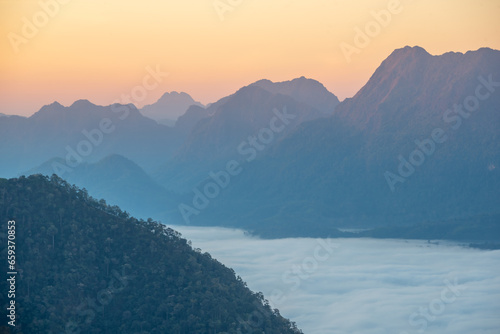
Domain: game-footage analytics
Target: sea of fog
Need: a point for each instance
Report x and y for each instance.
(364, 285)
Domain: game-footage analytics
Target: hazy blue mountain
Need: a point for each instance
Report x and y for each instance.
(304, 90)
(482, 231)
(169, 107)
(75, 132)
(413, 86)
(252, 112)
(185, 124)
(6, 115)
(418, 143)
(86, 267)
(120, 181)
(83, 132)
(245, 113)
(339, 171)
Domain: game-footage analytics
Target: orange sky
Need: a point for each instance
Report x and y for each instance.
(99, 50)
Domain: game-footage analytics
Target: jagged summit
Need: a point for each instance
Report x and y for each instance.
(411, 50)
(169, 107)
(54, 108)
(305, 90)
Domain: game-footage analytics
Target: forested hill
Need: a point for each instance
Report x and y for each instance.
(86, 267)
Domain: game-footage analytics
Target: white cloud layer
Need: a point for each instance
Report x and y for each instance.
(365, 286)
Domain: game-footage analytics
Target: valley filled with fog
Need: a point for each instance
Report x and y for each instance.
(364, 285)
(250, 167)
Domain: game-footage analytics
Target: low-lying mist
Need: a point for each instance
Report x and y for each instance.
(365, 285)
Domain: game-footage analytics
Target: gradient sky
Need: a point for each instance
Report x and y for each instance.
(98, 50)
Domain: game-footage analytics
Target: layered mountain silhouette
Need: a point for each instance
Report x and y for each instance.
(186, 123)
(120, 181)
(223, 135)
(169, 107)
(304, 90)
(418, 143)
(83, 132)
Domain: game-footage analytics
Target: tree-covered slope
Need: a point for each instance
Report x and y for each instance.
(86, 267)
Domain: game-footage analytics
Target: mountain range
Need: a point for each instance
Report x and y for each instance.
(221, 137)
(82, 132)
(169, 107)
(118, 180)
(310, 92)
(418, 143)
(401, 151)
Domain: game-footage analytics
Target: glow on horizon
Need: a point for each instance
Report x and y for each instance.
(98, 50)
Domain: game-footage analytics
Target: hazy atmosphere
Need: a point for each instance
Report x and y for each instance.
(373, 286)
(249, 167)
(99, 50)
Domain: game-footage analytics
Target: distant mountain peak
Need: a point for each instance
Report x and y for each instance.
(484, 49)
(305, 90)
(407, 52)
(80, 104)
(129, 105)
(262, 82)
(417, 51)
(193, 114)
(55, 104)
(252, 89)
(49, 109)
(169, 107)
(303, 78)
(411, 76)
(114, 157)
(173, 94)
(412, 49)
(117, 161)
